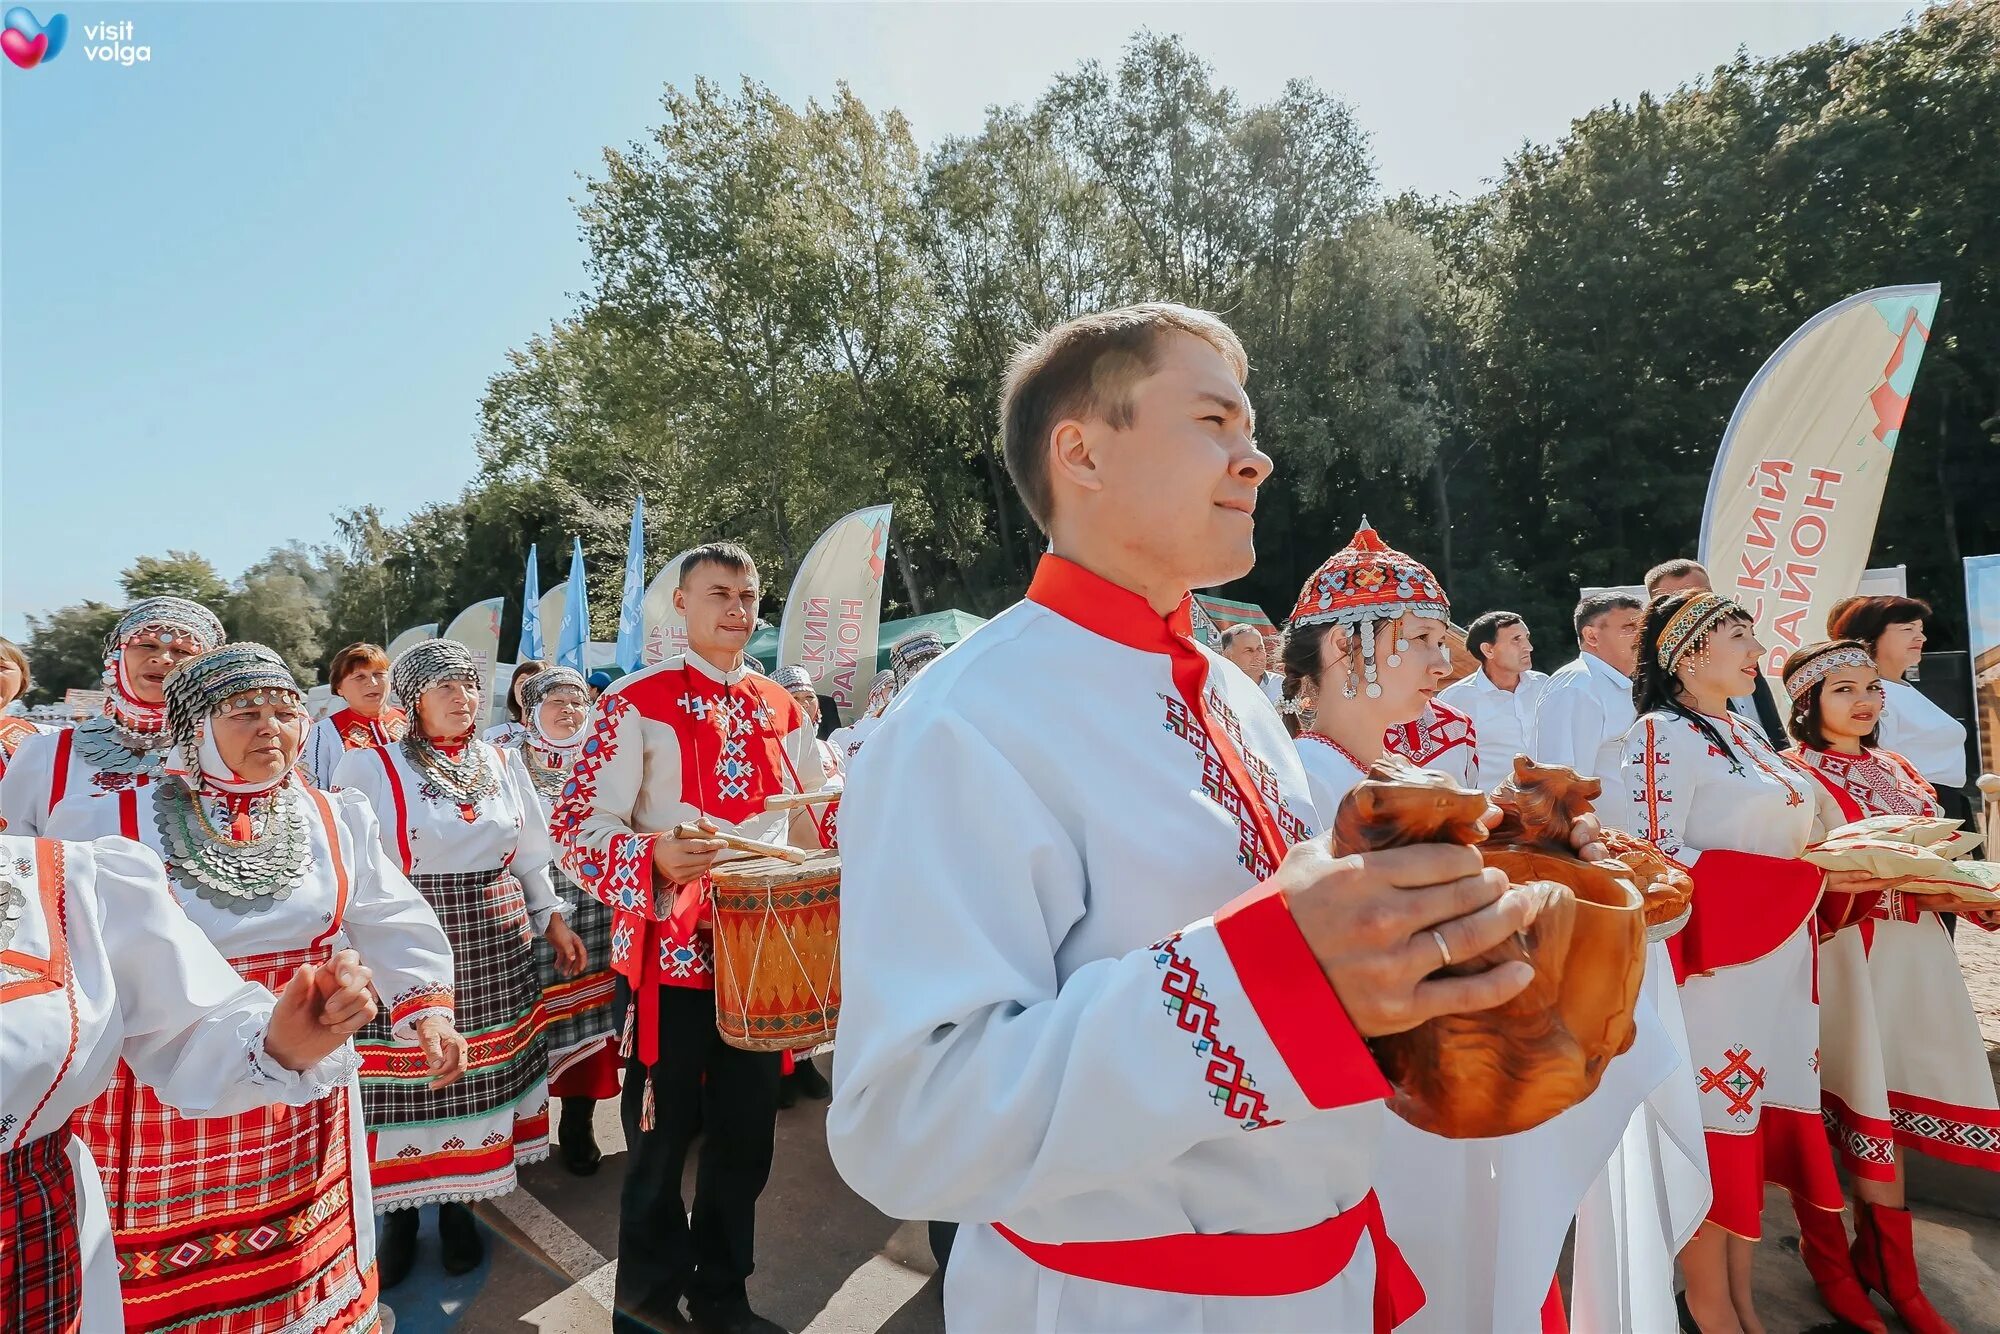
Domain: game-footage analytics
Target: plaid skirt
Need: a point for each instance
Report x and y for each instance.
(41, 1264)
(580, 1010)
(239, 1224)
(497, 1001)
(463, 1141)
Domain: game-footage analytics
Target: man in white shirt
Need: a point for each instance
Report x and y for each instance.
(1586, 707)
(1244, 644)
(1500, 697)
(1105, 996)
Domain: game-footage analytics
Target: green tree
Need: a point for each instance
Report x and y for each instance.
(181, 574)
(279, 602)
(66, 649)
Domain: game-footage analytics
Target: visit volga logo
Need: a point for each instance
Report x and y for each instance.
(28, 42)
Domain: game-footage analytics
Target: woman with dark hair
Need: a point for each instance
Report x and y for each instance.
(1481, 1221)
(1707, 788)
(359, 675)
(516, 730)
(1902, 1062)
(1913, 727)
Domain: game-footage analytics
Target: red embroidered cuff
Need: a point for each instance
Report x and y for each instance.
(417, 999)
(1295, 1002)
(1745, 906)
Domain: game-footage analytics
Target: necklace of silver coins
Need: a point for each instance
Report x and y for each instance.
(237, 877)
(467, 780)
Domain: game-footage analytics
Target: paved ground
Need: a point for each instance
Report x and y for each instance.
(830, 1264)
(827, 1262)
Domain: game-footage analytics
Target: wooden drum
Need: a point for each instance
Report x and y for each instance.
(777, 951)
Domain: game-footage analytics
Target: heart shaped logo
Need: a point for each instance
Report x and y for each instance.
(27, 41)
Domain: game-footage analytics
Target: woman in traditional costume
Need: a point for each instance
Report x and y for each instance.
(360, 676)
(15, 679)
(1902, 1063)
(580, 1007)
(516, 729)
(847, 740)
(127, 744)
(264, 1216)
(463, 821)
(101, 976)
(1710, 792)
(1441, 739)
(1931, 740)
(1481, 1221)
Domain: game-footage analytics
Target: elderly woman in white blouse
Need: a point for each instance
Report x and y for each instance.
(463, 821)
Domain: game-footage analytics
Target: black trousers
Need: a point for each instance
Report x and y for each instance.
(702, 1087)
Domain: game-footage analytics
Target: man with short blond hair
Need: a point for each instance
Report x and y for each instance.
(1106, 998)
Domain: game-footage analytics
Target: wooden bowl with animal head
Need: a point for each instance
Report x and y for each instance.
(1510, 1068)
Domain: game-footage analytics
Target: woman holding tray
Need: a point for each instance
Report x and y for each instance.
(1709, 791)
(1902, 1064)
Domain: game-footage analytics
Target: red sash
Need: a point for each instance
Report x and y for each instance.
(1241, 1264)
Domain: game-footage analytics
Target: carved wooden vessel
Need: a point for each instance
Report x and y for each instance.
(1510, 1068)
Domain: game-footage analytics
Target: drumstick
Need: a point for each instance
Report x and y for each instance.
(762, 849)
(786, 801)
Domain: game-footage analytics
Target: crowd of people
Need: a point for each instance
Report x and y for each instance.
(273, 984)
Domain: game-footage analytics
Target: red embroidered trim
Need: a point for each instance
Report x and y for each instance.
(431, 997)
(1338, 749)
(1235, 1091)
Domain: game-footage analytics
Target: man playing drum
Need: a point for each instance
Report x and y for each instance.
(696, 738)
(1106, 1000)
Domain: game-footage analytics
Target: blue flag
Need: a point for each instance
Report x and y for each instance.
(531, 612)
(576, 614)
(631, 632)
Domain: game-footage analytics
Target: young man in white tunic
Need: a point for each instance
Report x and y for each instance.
(1105, 998)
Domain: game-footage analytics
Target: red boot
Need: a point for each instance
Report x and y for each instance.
(1885, 1259)
(1823, 1246)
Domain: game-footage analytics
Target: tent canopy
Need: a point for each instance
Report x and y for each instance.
(1226, 612)
(950, 625)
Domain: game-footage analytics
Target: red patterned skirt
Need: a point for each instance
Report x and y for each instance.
(232, 1225)
(41, 1266)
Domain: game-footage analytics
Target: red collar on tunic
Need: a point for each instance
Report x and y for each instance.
(1108, 609)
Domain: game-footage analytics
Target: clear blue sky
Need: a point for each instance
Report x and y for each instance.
(265, 276)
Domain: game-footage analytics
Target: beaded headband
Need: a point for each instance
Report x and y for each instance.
(173, 619)
(1818, 667)
(431, 663)
(1692, 624)
(793, 679)
(203, 686)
